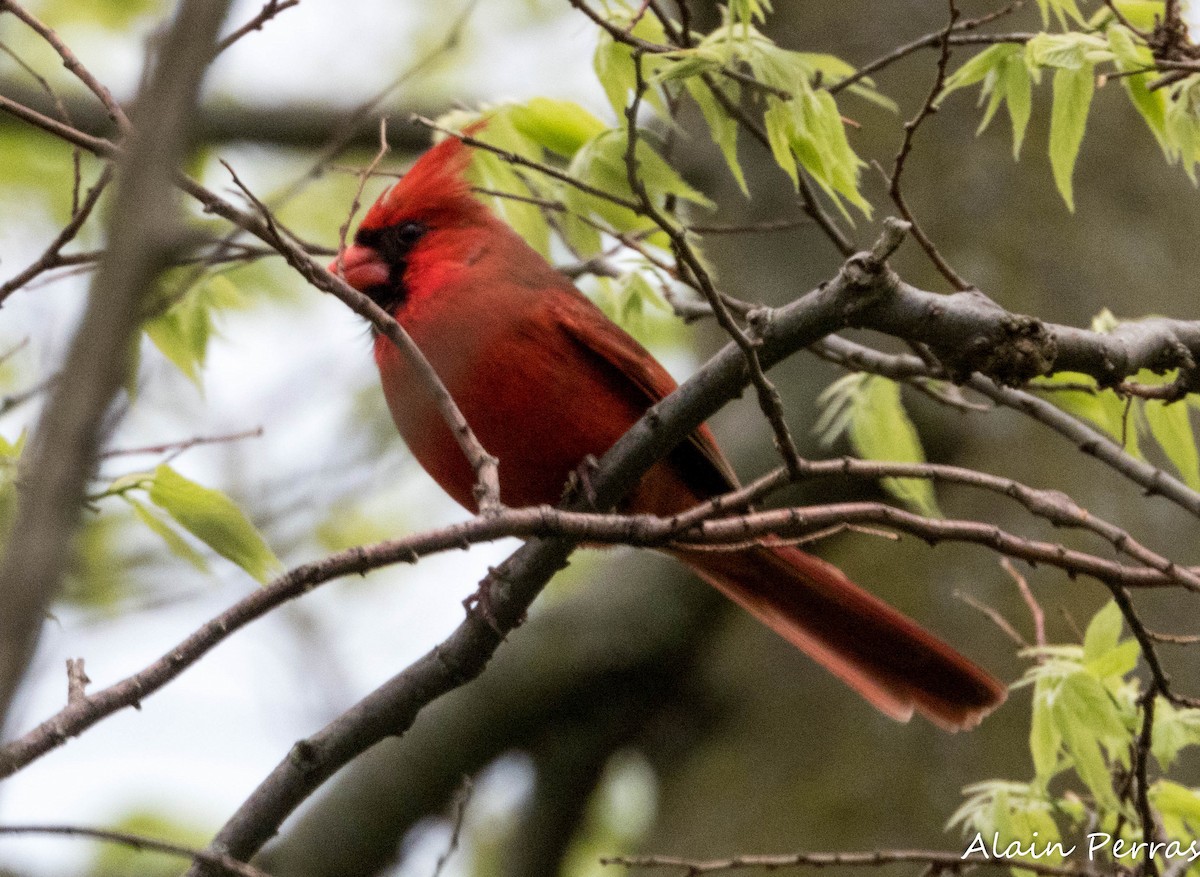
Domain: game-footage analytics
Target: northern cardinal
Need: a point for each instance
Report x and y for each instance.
(545, 379)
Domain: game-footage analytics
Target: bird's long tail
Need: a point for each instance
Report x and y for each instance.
(880, 653)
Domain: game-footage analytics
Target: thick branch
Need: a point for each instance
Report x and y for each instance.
(142, 234)
(286, 125)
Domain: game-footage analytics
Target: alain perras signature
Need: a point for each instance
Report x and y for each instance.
(1098, 844)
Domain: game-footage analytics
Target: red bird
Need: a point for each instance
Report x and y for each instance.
(545, 379)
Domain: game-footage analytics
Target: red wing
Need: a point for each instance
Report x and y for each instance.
(699, 459)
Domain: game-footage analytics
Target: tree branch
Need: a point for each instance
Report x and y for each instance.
(143, 230)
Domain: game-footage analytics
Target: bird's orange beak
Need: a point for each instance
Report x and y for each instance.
(362, 267)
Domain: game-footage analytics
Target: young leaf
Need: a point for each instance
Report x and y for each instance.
(1131, 56)
(1103, 631)
(183, 331)
(176, 543)
(559, 125)
(215, 520)
(1073, 90)
(748, 11)
(1045, 740)
(613, 61)
(1177, 804)
(1018, 89)
(1062, 9)
(1103, 408)
(490, 171)
(1172, 429)
(1174, 729)
(722, 126)
(1074, 710)
(868, 408)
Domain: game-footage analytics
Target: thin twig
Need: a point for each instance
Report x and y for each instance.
(70, 62)
(50, 257)
(875, 858)
(461, 799)
(177, 448)
(357, 202)
(1035, 608)
(898, 164)
(224, 863)
(934, 38)
(269, 10)
(768, 397)
(994, 616)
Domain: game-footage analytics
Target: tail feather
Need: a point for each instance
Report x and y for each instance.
(880, 653)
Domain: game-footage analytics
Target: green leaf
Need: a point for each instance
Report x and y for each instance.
(1141, 14)
(176, 543)
(722, 126)
(1172, 429)
(1094, 707)
(748, 11)
(1018, 88)
(1130, 56)
(1076, 707)
(1044, 737)
(1178, 803)
(614, 65)
(1183, 124)
(1103, 408)
(1062, 9)
(978, 68)
(1117, 662)
(881, 430)
(808, 127)
(1103, 631)
(869, 410)
(1174, 729)
(183, 331)
(601, 163)
(780, 126)
(214, 519)
(1073, 90)
(490, 171)
(559, 125)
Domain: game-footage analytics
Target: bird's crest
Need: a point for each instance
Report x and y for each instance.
(435, 184)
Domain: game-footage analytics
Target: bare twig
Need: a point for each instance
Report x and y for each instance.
(223, 863)
(461, 799)
(935, 38)
(365, 175)
(994, 616)
(1035, 608)
(70, 62)
(641, 530)
(77, 681)
(875, 858)
(51, 257)
(177, 448)
(768, 397)
(269, 10)
(61, 454)
(910, 130)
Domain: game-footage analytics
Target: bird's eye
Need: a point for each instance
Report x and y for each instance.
(410, 232)
(396, 241)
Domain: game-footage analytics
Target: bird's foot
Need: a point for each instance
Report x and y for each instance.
(579, 482)
(481, 604)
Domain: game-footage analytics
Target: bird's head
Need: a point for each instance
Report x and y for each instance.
(434, 197)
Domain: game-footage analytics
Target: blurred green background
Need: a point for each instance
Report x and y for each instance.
(636, 710)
